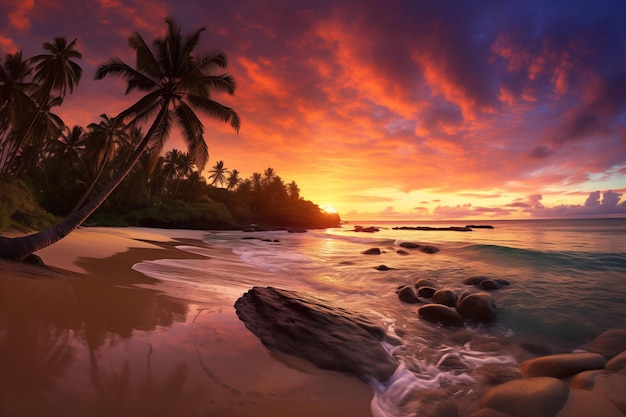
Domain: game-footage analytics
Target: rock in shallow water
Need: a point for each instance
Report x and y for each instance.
(308, 327)
(438, 313)
(609, 343)
(528, 397)
(478, 307)
(562, 365)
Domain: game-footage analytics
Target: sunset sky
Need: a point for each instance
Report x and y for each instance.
(396, 110)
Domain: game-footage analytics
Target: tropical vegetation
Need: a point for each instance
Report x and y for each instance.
(114, 171)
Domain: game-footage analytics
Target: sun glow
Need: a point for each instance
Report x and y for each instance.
(328, 208)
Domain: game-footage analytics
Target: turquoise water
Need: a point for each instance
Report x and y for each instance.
(568, 283)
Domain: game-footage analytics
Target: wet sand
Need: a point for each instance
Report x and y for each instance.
(91, 336)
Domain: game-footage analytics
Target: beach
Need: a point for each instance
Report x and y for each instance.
(91, 336)
(142, 322)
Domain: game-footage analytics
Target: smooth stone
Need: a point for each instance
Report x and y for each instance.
(372, 251)
(426, 292)
(402, 252)
(423, 282)
(617, 363)
(561, 365)
(429, 249)
(585, 380)
(407, 294)
(382, 268)
(613, 387)
(609, 343)
(528, 397)
(438, 313)
(489, 285)
(410, 245)
(445, 297)
(478, 307)
(311, 328)
(475, 280)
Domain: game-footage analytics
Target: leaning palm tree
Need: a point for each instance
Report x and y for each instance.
(176, 81)
(233, 180)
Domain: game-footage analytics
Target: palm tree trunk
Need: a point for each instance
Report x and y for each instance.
(19, 248)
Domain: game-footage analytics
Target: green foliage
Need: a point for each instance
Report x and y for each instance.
(19, 207)
(182, 215)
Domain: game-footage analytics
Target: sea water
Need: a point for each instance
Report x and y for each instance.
(567, 284)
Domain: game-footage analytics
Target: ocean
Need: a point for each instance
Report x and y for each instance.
(567, 284)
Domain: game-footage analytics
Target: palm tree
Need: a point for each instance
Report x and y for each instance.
(218, 173)
(294, 190)
(175, 81)
(15, 103)
(53, 72)
(233, 180)
(101, 145)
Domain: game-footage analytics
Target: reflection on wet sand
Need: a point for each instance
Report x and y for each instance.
(110, 343)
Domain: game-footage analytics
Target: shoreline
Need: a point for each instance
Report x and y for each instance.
(90, 333)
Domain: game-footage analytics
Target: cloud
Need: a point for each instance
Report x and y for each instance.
(597, 204)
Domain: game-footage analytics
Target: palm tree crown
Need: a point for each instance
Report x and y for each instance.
(176, 82)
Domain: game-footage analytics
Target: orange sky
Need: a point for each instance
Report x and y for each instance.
(408, 110)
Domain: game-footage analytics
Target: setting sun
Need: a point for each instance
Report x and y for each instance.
(328, 208)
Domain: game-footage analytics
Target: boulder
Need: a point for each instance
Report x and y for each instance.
(382, 268)
(429, 249)
(438, 313)
(372, 251)
(426, 292)
(493, 284)
(478, 307)
(308, 327)
(561, 365)
(407, 294)
(423, 282)
(402, 252)
(445, 297)
(410, 245)
(585, 380)
(475, 280)
(609, 343)
(528, 397)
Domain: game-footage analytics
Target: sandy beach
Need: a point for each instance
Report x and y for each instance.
(91, 336)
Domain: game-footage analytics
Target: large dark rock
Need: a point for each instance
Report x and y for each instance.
(308, 327)
(561, 365)
(423, 282)
(372, 251)
(478, 307)
(438, 313)
(407, 294)
(445, 297)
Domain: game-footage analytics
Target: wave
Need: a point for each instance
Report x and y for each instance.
(582, 261)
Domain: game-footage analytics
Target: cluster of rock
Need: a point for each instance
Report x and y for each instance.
(580, 384)
(405, 245)
(453, 307)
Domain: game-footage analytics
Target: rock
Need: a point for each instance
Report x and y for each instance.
(383, 268)
(423, 282)
(489, 285)
(428, 403)
(407, 295)
(475, 280)
(609, 343)
(452, 361)
(561, 365)
(585, 380)
(410, 245)
(33, 259)
(426, 292)
(445, 297)
(528, 397)
(612, 386)
(617, 363)
(296, 230)
(372, 251)
(438, 313)
(429, 249)
(495, 373)
(478, 307)
(402, 252)
(313, 329)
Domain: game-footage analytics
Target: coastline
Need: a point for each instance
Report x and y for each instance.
(90, 333)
